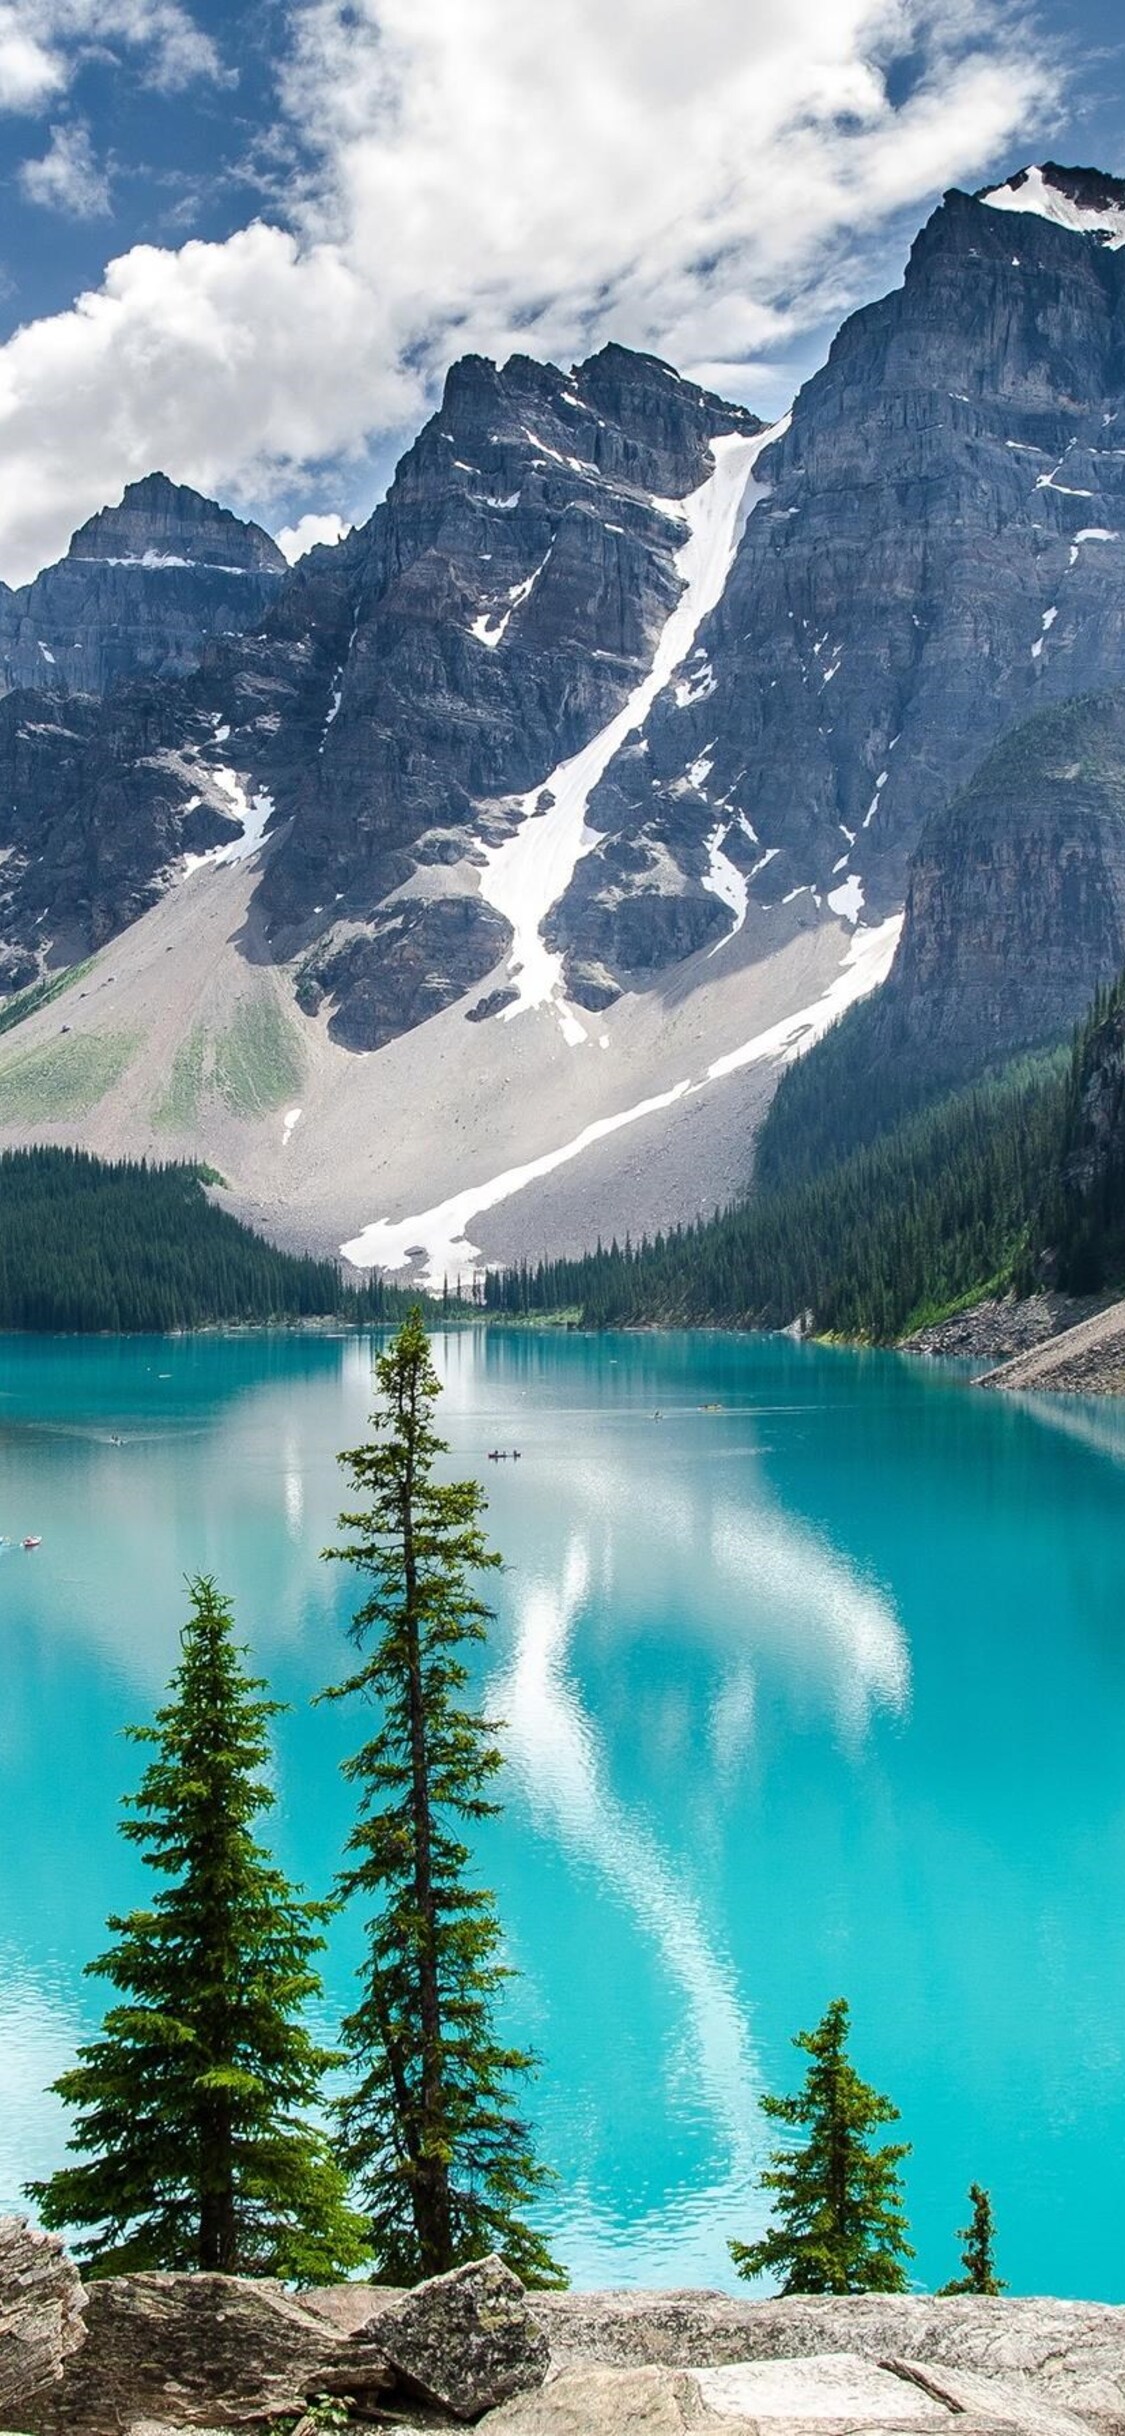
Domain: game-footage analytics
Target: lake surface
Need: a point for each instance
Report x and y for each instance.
(819, 1693)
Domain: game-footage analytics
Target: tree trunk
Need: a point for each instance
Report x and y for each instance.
(218, 2228)
(431, 2200)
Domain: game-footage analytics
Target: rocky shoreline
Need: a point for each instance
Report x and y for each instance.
(146, 2355)
(999, 1328)
(1056, 1344)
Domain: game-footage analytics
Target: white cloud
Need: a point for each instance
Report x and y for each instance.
(68, 177)
(43, 43)
(294, 540)
(489, 175)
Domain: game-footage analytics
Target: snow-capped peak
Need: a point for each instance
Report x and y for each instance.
(1084, 200)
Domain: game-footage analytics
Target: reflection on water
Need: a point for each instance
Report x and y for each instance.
(814, 1686)
(38, 2035)
(554, 1749)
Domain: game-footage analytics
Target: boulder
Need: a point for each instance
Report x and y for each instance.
(1066, 2355)
(41, 2305)
(822, 2394)
(466, 2341)
(203, 2351)
(611, 2401)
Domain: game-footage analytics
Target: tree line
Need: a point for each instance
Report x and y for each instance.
(201, 2138)
(934, 1212)
(127, 1247)
(873, 1214)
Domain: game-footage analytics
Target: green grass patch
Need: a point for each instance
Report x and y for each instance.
(41, 994)
(63, 1078)
(177, 1106)
(259, 1060)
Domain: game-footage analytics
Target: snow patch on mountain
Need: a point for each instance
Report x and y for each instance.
(526, 875)
(1036, 190)
(437, 1242)
(725, 880)
(254, 812)
(492, 625)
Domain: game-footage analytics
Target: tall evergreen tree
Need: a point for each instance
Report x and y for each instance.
(977, 2256)
(839, 2207)
(430, 2133)
(196, 2150)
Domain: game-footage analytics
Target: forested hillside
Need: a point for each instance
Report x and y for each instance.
(1082, 1220)
(937, 1210)
(1015, 1181)
(87, 1246)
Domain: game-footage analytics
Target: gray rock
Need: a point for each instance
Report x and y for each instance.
(41, 2321)
(838, 2386)
(1069, 2354)
(100, 800)
(970, 2390)
(141, 590)
(598, 2401)
(467, 2341)
(493, 1003)
(419, 955)
(1015, 909)
(836, 2394)
(203, 2351)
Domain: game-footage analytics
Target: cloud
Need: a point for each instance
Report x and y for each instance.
(68, 177)
(308, 533)
(43, 43)
(705, 183)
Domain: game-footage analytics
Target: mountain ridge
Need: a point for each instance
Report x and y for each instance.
(579, 771)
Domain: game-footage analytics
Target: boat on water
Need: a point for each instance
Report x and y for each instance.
(33, 1541)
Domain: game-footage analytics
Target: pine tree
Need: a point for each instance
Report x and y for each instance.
(839, 2202)
(429, 2132)
(977, 2256)
(196, 2150)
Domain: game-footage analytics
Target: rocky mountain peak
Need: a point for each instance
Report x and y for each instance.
(163, 523)
(142, 588)
(1087, 201)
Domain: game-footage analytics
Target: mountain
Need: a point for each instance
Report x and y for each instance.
(141, 589)
(1015, 908)
(519, 840)
(942, 550)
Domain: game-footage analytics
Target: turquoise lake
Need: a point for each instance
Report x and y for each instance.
(819, 1693)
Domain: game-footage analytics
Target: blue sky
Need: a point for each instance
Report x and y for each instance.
(243, 241)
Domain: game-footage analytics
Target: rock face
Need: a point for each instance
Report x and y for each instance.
(941, 550)
(1015, 910)
(41, 2323)
(1074, 2350)
(405, 688)
(493, 615)
(836, 2393)
(143, 586)
(103, 801)
(202, 2351)
(467, 2341)
(1017, 2363)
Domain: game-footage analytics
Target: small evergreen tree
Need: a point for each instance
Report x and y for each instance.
(839, 2202)
(440, 2157)
(196, 2152)
(977, 2256)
